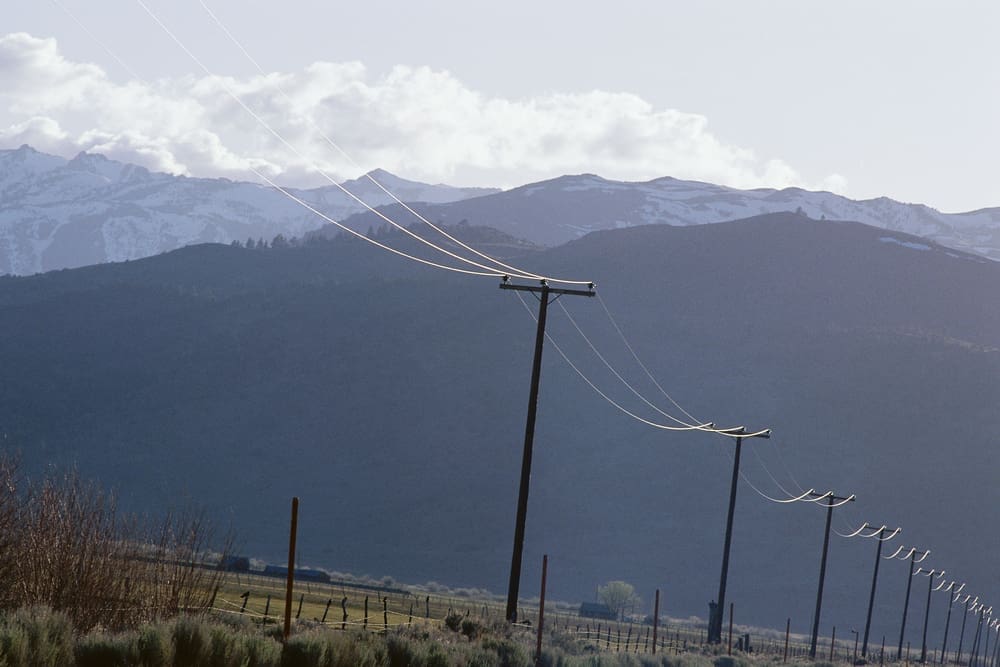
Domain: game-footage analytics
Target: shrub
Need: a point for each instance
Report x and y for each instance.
(49, 636)
(510, 653)
(154, 646)
(471, 628)
(64, 545)
(192, 641)
(103, 650)
(453, 621)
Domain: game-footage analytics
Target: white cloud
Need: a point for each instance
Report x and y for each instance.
(417, 122)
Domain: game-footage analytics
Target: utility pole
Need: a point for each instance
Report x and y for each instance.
(543, 292)
(871, 598)
(832, 502)
(906, 603)
(930, 574)
(961, 636)
(715, 623)
(952, 596)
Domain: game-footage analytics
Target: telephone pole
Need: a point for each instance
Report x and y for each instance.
(543, 293)
(953, 594)
(906, 603)
(715, 622)
(930, 574)
(871, 598)
(832, 502)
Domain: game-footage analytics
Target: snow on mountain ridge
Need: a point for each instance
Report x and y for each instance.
(58, 213)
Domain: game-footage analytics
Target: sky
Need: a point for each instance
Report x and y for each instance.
(895, 98)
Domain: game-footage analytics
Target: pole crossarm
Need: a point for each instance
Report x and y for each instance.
(505, 284)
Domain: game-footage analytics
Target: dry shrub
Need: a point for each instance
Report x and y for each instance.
(65, 546)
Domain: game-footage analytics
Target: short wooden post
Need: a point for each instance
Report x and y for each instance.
(730, 628)
(788, 630)
(365, 622)
(541, 609)
(343, 606)
(385, 613)
(299, 612)
(291, 569)
(656, 618)
(327, 610)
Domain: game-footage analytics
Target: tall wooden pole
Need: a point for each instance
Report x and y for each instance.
(871, 597)
(529, 435)
(906, 605)
(832, 502)
(715, 633)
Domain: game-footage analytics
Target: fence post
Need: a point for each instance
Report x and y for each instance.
(299, 612)
(327, 610)
(730, 628)
(385, 613)
(788, 630)
(656, 618)
(291, 568)
(246, 598)
(267, 608)
(365, 621)
(343, 606)
(541, 609)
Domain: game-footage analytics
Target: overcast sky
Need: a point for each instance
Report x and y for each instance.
(866, 98)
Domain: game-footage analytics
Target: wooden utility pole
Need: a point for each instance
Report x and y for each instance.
(906, 603)
(871, 598)
(832, 501)
(930, 574)
(715, 623)
(953, 594)
(543, 293)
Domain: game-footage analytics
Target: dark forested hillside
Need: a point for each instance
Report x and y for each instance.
(391, 399)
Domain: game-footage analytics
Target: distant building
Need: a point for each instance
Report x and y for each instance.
(596, 610)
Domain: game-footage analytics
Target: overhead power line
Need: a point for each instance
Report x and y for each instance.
(330, 142)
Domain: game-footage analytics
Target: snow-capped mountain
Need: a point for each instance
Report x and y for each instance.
(57, 213)
(559, 210)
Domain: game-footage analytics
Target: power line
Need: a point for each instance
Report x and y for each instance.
(491, 271)
(590, 383)
(371, 178)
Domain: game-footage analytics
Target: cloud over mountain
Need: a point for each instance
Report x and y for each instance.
(421, 122)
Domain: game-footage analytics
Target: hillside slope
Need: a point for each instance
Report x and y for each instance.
(391, 400)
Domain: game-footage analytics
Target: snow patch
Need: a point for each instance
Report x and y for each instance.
(905, 244)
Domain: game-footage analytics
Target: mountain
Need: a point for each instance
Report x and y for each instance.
(556, 211)
(57, 213)
(391, 399)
